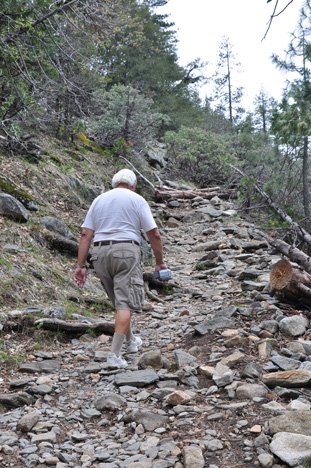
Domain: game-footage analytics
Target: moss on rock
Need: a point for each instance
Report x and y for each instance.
(7, 186)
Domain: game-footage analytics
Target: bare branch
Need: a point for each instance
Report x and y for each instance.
(275, 15)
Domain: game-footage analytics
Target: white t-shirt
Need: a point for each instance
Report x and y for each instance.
(119, 214)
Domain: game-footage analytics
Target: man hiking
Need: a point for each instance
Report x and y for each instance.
(115, 220)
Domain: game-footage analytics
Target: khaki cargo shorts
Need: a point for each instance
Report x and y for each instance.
(119, 267)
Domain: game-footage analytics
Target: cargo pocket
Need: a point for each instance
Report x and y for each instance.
(136, 294)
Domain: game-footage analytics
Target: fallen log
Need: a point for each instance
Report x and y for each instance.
(291, 282)
(291, 252)
(62, 244)
(74, 327)
(189, 194)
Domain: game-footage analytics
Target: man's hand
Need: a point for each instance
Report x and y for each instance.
(80, 276)
(162, 266)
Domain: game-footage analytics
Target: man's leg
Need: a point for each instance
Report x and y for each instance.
(122, 325)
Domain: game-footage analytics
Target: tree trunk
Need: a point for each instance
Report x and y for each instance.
(291, 282)
(306, 195)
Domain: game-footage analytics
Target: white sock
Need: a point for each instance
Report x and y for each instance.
(129, 335)
(117, 342)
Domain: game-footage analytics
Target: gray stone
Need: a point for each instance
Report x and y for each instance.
(110, 402)
(251, 391)
(16, 400)
(45, 437)
(42, 389)
(193, 457)
(252, 370)
(291, 379)
(272, 326)
(12, 208)
(150, 421)
(284, 363)
(266, 460)
(293, 449)
(155, 155)
(223, 375)
(192, 218)
(213, 324)
(55, 312)
(57, 226)
(214, 445)
(298, 422)
(152, 359)
(137, 378)
(182, 358)
(293, 326)
(8, 438)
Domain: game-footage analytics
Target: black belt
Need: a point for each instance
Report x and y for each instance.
(100, 243)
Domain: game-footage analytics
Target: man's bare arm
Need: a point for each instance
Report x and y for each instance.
(84, 246)
(157, 247)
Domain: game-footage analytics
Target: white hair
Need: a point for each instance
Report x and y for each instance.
(125, 176)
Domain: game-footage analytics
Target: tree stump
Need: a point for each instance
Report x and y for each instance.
(291, 282)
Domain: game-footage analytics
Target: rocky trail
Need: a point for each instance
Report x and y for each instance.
(222, 379)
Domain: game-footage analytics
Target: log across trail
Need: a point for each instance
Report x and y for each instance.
(291, 281)
(189, 194)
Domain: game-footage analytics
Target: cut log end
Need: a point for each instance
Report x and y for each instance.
(281, 275)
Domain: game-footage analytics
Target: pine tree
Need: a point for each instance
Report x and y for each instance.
(292, 123)
(227, 95)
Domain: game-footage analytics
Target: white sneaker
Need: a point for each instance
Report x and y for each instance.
(133, 345)
(115, 361)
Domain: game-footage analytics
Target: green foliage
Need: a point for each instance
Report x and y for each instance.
(200, 155)
(144, 56)
(126, 117)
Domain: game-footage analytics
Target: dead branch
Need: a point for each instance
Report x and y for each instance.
(74, 327)
(151, 295)
(301, 233)
(139, 173)
(291, 252)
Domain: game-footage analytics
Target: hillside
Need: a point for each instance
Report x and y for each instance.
(223, 376)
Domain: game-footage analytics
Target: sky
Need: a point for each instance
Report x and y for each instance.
(201, 24)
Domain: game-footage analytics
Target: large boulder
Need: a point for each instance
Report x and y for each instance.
(57, 226)
(155, 156)
(12, 208)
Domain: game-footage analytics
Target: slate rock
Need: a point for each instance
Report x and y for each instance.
(213, 324)
(140, 378)
(12, 208)
(57, 226)
(27, 422)
(178, 398)
(110, 402)
(284, 363)
(291, 379)
(298, 422)
(150, 421)
(250, 391)
(193, 457)
(292, 449)
(182, 358)
(151, 358)
(16, 400)
(293, 326)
